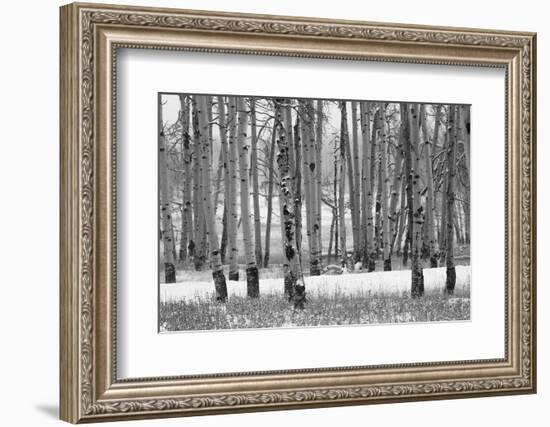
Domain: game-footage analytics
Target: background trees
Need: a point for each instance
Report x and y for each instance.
(366, 180)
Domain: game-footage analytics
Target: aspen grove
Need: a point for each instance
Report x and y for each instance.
(255, 189)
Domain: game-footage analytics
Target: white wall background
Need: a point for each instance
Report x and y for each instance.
(29, 170)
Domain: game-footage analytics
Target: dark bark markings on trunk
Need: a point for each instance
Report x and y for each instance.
(294, 285)
(356, 183)
(311, 170)
(271, 178)
(215, 258)
(351, 188)
(417, 217)
(186, 216)
(384, 192)
(252, 278)
(430, 198)
(255, 183)
(342, 186)
(450, 280)
(319, 177)
(199, 246)
(165, 207)
(232, 205)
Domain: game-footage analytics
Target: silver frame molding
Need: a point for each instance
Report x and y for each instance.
(90, 37)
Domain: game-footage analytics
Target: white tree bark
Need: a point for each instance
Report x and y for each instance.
(342, 184)
(165, 207)
(366, 189)
(187, 217)
(294, 284)
(417, 288)
(384, 198)
(253, 286)
(215, 258)
(255, 183)
(450, 200)
(232, 204)
(319, 176)
(430, 197)
(356, 179)
(308, 167)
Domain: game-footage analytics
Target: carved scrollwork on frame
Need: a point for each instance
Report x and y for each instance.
(89, 18)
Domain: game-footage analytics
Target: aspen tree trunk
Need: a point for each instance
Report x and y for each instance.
(294, 167)
(199, 246)
(173, 236)
(396, 189)
(319, 177)
(298, 181)
(336, 211)
(444, 216)
(407, 165)
(443, 210)
(165, 208)
(232, 205)
(294, 158)
(187, 216)
(371, 205)
(450, 198)
(222, 120)
(287, 279)
(284, 110)
(270, 195)
(218, 181)
(255, 183)
(304, 139)
(215, 259)
(308, 173)
(430, 198)
(294, 284)
(252, 279)
(376, 182)
(364, 120)
(287, 111)
(342, 184)
(378, 207)
(402, 208)
(209, 105)
(351, 188)
(356, 180)
(416, 216)
(465, 131)
(465, 221)
(384, 184)
(223, 244)
(331, 235)
(223, 134)
(183, 177)
(366, 189)
(311, 170)
(457, 224)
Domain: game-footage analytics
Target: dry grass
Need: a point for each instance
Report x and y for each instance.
(272, 311)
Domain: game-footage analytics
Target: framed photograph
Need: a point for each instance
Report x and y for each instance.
(268, 212)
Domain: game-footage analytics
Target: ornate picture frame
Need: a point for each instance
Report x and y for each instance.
(90, 37)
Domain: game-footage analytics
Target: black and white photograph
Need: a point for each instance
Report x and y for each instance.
(286, 212)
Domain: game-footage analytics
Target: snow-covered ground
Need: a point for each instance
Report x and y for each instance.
(380, 283)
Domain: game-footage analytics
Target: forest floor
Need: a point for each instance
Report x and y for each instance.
(347, 299)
